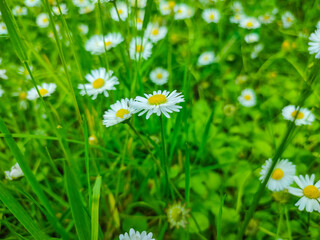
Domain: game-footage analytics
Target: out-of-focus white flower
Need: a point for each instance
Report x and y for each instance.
(256, 50)
(206, 58)
(211, 15)
(14, 173)
(251, 37)
(266, 18)
(3, 74)
(183, 11)
(287, 19)
(140, 49)
(155, 33)
(121, 10)
(303, 116)
(135, 235)
(83, 29)
(45, 90)
(250, 23)
(247, 98)
(314, 44)
(43, 20)
(63, 7)
(138, 3)
(19, 11)
(159, 76)
(32, 3)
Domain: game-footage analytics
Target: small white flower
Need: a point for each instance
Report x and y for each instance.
(83, 29)
(138, 20)
(135, 235)
(314, 44)
(1, 91)
(19, 11)
(211, 15)
(266, 18)
(158, 102)
(122, 10)
(43, 20)
(100, 82)
(177, 215)
(250, 23)
(119, 112)
(282, 175)
(251, 37)
(256, 50)
(140, 49)
(95, 45)
(3, 28)
(155, 33)
(159, 76)
(309, 192)
(287, 19)
(237, 7)
(237, 18)
(3, 74)
(182, 11)
(89, 7)
(166, 7)
(80, 3)
(45, 90)
(14, 173)
(32, 3)
(63, 7)
(112, 40)
(206, 58)
(140, 3)
(303, 117)
(247, 98)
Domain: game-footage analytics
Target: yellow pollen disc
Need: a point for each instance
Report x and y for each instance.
(139, 20)
(108, 43)
(157, 99)
(249, 24)
(247, 97)
(206, 58)
(120, 11)
(139, 48)
(3, 27)
(176, 214)
(155, 31)
(43, 91)
(300, 114)
(98, 83)
(179, 11)
(120, 113)
(311, 192)
(266, 17)
(22, 95)
(211, 16)
(159, 75)
(237, 17)
(45, 20)
(172, 4)
(277, 174)
(289, 19)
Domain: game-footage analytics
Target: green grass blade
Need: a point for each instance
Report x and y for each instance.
(86, 142)
(219, 220)
(35, 185)
(79, 213)
(13, 30)
(18, 211)
(187, 175)
(95, 209)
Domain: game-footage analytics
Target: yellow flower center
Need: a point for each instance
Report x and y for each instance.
(247, 97)
(4, 27)
(237, 17)
(176, 214)
(266, 17)
(139, 48)
(249, 24)
(299, 115)
(289, 19)
(179, 10)
(172, 4)
(139, 20)
(211, 17)
(277, 174)
(120, 11)
(159, 75)
(155, 31)
(22, 95)
(98, 83)
(108, 43)
(157, 99)
(45, 20)
(43, 91)
(311, 192)
(120, 113)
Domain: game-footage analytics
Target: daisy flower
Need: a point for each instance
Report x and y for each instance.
(309, 192)
(250, 23)
(80, 3)
(22, 96)
(19, 11)
(237, 18)
(303, 117)
(247, 98)
(122, 10)
(119, 112)
(83, 29)
(89, 7)
(251, 37)
(237, 7)
(43, 20)
(94, 45)
(206, 58)
(177, 215)
(287, 19)
(138, 3)
(315, 43)
(93, 140)
(138, 20)
(3, 28)
(155, 33)
(45, 90)
(1, 91)
(211, 15)
(266, 18)
(158, 102)
(159, 76)
(100, 81)
(63, 7)
(256, 50)
(135, 235)
(112, 40)
(14, 173)
(32, 3)
(3, 74)
(166, 7)
(281, 177)
(182, 11)
(140, 48)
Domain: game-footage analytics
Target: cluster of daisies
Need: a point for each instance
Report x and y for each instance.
(284, 174)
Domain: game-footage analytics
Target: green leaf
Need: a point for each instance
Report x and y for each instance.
(95, 209)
